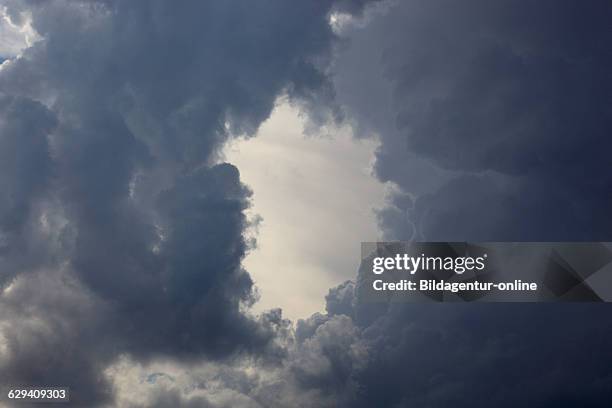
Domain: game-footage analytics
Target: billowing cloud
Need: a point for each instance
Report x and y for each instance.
(506, 105)
(122, 237)
(480, 355)
(492, 118)
(120, 234)
(25, 168)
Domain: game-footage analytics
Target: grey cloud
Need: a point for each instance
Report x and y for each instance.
(326, 361)
(438, 355)
(54, 333)
(25, 168)
(340, 300)
(449, 88)
(503, 92)
(492, 119)
(175, 399)
(112, 124)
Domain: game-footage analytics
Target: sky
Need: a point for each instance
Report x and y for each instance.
(184, 187)
(312, 194)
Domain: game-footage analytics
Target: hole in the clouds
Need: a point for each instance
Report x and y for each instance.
(315, 197)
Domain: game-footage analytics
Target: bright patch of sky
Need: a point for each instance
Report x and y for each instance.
(315, 194)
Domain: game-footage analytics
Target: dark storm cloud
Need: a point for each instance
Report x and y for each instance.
(519, 96)
(25, 167)
(501, 355)
(493, 120)
(508, 107)
(111, 125)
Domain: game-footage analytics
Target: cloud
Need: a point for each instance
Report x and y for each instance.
(16, 34)
(112, 126)
(508, 106)
(461, 355)
(55, 333)
(25, 168)
(123, 236)
(492, 120)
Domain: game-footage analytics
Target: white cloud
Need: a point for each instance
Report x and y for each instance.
(14, 38)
